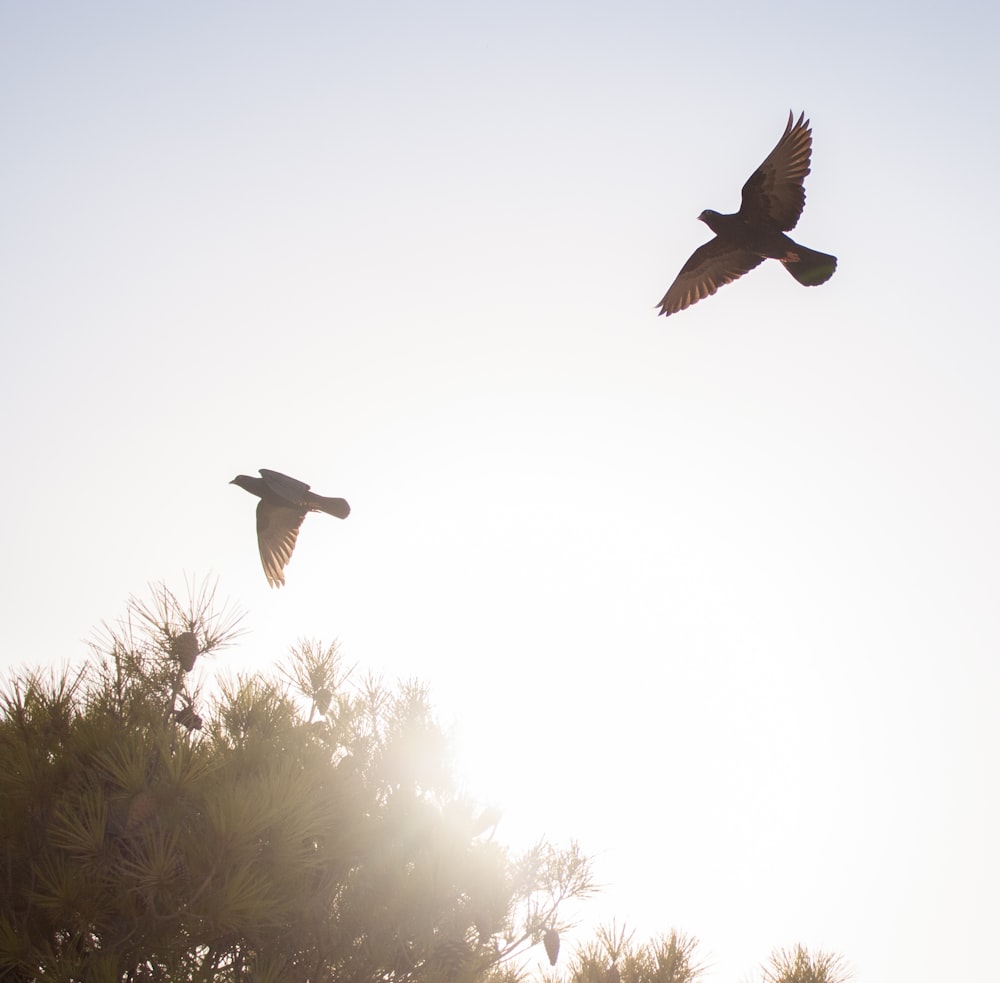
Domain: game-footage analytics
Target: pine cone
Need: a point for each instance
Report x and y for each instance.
(185, 649)
(186, 717)
(551, 942)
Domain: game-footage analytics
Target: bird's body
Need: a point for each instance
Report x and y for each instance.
(772, 202)
(284, 503)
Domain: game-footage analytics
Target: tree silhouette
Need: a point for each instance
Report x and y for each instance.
(613, 957)
(297, 828)
(798, 966)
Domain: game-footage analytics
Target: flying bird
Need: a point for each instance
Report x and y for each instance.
(773, 198)
(283, 505)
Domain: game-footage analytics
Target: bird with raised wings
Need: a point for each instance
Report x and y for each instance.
(773, 199)
(284, 503)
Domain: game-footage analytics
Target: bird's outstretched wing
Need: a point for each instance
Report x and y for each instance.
(291, 490)
(277, 531)
(711, 266)
(773, 195)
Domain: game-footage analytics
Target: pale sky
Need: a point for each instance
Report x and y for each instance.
(715, 595)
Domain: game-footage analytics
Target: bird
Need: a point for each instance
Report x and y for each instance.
(283, 505)
(773, 198)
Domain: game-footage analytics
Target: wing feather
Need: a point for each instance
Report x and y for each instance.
(277, 531)
(773, 194)
(711, 266)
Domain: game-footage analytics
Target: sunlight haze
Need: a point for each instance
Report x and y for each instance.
(714, 595)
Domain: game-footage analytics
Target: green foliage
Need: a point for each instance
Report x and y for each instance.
(613, 957)
(798, 966)
(294, 829)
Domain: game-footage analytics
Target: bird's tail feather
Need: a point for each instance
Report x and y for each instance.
(332, 506)
(811, 268)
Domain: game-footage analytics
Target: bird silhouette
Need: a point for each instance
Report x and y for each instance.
(773, 198)
(283, 505)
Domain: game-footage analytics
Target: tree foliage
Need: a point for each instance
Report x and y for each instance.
(614, 957)
(297, 828)
(799, 966)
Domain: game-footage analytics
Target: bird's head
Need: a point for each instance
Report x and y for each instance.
(714, 220)
(245, 481)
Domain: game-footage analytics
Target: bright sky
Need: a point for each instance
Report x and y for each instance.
(715, 595)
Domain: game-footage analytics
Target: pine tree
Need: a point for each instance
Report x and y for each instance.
(613, 957)
(302, 828)
(799, 966)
